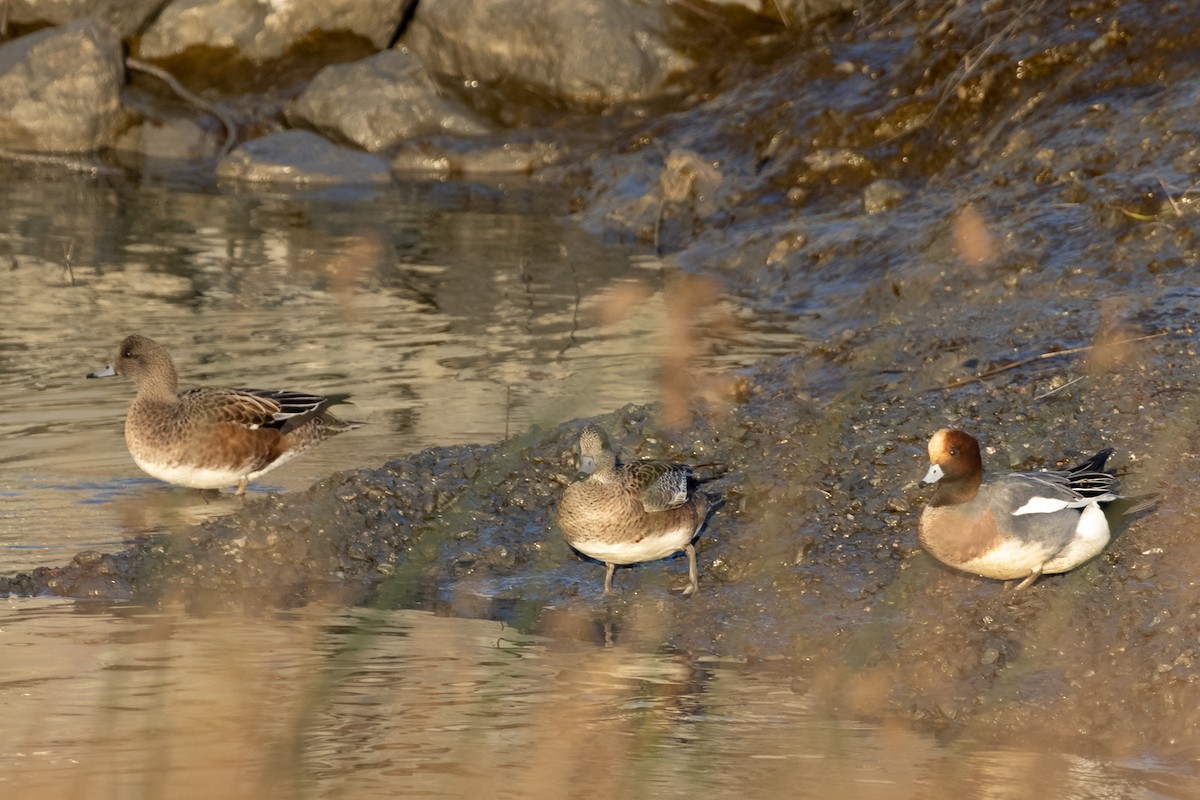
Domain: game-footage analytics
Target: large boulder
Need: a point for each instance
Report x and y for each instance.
(580, 52)
(60, 89)
(126, 16)
(260, 30)
(379, 102)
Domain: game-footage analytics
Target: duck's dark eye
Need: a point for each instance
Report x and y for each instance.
(127, 354)
(953, 452)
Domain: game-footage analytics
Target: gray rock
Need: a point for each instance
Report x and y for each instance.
(489, 158)
(581, 52)
(126, 16)
(178, 138)
(260, 30)
(510, 157)
(301, 157)
(60, 89)
(379, 102)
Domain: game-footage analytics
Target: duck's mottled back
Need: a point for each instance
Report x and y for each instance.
(662, 485)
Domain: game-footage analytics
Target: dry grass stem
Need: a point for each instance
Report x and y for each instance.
(199, 102)
(1053, 354)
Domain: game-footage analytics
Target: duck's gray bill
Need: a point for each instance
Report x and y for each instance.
(106, 372)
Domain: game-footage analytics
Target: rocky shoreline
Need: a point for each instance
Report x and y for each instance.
(984, 217)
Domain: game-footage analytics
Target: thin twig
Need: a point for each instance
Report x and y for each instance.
(893, 12)
(702, 13)
(783, 17)
(1059, 389)
(1040, 356)
(658, 221)
(68, 249)
(967, 65)
(974, 57)
(199, 102)
(1170, 199)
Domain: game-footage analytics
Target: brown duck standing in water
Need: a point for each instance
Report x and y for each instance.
(207, 438)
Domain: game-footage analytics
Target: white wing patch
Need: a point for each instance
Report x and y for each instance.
(1042, 505)
(1048, 505)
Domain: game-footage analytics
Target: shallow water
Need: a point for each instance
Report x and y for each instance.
(324, 703)
(451, 313)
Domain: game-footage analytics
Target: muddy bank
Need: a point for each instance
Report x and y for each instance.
(959, 193)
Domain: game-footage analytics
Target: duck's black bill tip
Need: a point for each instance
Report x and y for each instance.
(106, 372)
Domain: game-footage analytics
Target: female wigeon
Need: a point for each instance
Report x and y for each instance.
(629, 513)
(1015, 524)
(207, 438)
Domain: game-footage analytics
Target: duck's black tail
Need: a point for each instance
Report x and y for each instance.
(1090, 479)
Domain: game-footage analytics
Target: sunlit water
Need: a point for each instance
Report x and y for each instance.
(330, 703)
(451, 314)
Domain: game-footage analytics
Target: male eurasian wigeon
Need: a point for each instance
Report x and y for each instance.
(1012, 524)
(629, 513)
(207, 438)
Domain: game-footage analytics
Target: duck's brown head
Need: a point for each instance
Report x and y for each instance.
(954, 465)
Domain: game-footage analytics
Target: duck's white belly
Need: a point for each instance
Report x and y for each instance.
(651, 548)
(196, 476)
(190, 475)
(1011, 559)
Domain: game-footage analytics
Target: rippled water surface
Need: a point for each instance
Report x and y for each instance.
(329, 703)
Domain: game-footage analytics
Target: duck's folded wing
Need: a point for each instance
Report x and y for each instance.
(1048, 492)
(238, 406)
(291, 409)
(662, 485)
